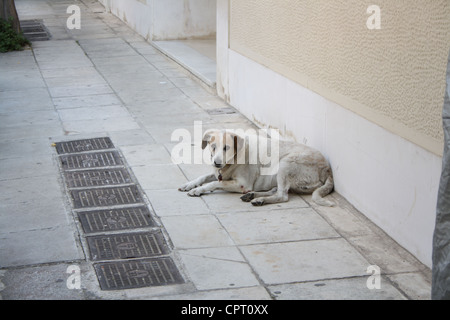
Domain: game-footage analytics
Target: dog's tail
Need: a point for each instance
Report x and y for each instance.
(321, 192)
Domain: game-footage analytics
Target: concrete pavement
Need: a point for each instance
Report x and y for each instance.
(105, 80)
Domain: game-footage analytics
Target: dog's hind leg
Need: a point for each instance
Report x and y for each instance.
(252, 195)
(281, 194)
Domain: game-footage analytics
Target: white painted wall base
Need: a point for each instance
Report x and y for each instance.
(136, 14)
(391, 180)
(167, 19)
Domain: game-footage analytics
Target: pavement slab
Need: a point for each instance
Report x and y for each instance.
(342, 289)
(206, 231)
(218, 268)
(276, 226)
(305, 260)
(39, 246)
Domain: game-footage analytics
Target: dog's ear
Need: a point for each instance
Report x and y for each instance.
(207, 137)
(239, 142)
(239, 148)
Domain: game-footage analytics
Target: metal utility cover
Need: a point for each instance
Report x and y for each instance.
(115, 219)
(84, 145)
(97, 178)
(219, 111)
(137, 273)
(127, 246)
(105, 197)
(90, 160)
(34, 30)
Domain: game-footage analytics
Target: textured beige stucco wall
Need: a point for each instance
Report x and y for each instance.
(394, 76)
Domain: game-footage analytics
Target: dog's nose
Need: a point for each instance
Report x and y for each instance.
(218, 165)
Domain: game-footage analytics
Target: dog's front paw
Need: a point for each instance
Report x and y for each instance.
(248, 197)
(197, 192)
(257, 202)
(188, 186)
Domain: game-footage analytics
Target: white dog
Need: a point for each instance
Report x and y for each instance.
(301, 170)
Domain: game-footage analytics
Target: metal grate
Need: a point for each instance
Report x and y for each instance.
(105, 197)
(137, 273)
(126, 246)
(84, 145)
(106, 200)
(115, 219)
(97, 178)
(219, 111)
(90, 160)
(34, 30)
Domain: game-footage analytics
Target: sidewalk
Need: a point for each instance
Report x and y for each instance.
(106, 81)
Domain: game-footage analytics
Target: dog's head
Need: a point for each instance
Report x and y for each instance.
(224, 147)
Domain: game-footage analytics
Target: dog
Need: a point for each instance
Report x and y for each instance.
(301, 169)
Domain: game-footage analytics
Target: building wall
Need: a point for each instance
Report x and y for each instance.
(167, 19)
(393, 76)
(370, 100)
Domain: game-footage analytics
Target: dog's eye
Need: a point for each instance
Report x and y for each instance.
(226, 148)
(213, 147)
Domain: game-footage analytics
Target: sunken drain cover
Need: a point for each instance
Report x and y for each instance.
(137, 273)
(105, 197)
(99, 182)
(127, 246)
(34, 30)
(91, 160)
(84, 145)
(97, 178)
(220, 111)
(115, 219)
